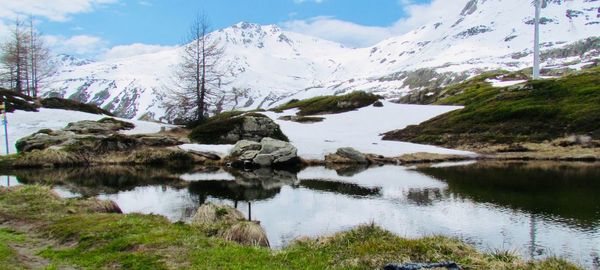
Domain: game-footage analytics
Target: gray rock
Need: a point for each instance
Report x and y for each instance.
(263, 160)
(103, 126)
(352, 155)
(244, 146)
(249, 155)
(267, 153)
(253, 128)
(158, 140)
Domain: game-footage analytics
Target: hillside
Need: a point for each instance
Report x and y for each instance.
(267, 66)
(533, 111)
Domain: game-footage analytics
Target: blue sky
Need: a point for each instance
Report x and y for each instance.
(93, 27)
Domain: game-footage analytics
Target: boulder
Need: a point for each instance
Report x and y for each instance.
(250, 127)
(280, 151)
(267, 153)
(244, 146)
(347, 155)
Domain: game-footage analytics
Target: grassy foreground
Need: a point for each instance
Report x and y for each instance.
(534, 112)
(58, 233)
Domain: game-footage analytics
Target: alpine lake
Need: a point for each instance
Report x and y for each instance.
(534, 209)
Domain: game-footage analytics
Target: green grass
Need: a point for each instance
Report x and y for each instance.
(331, 104)
(135, 241)
(7, 254)
(538, 111)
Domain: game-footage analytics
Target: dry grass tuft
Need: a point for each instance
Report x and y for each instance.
(247, 233)
(103, 206)
(211, 214)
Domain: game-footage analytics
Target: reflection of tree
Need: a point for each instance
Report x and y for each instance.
(568, 192)
(424, 197)
(92, 181)
(339, 188)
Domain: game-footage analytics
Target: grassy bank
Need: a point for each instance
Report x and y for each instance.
(75, 235)
(532, 112)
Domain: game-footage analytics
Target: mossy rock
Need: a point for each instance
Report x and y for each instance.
(232, 127)
(331, 104)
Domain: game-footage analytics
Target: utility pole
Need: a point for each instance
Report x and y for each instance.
(536, 45)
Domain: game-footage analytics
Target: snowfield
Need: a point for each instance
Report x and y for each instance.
(22, 123)
(359, 129)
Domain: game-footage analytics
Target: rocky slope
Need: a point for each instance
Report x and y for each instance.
(267, 66)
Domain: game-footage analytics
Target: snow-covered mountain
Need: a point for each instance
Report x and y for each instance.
(267, 66)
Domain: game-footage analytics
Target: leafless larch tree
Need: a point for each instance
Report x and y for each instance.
(199, 80)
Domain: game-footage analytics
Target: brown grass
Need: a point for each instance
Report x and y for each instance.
(210, 213)
(247, 233)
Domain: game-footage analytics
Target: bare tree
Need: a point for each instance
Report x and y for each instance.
(14, 57)
(199, 79)
(40, 66)
(25, 59)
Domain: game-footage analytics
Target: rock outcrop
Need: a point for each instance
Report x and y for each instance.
(87, 143)
(93, 136)
(269, 152)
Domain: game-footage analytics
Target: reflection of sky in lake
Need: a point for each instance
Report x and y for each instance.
(405, 202)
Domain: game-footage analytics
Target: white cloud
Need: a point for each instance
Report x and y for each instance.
(80, 45)
(347, 33)
(123, 51)
(420, 14)
(356, 35)
(54, 10)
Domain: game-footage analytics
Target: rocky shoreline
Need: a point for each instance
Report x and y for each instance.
(99, 143)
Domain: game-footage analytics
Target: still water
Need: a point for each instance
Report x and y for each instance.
(534, 209)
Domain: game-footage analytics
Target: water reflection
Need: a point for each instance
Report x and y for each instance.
(99, 180)
(538, 209)
(563, 192)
